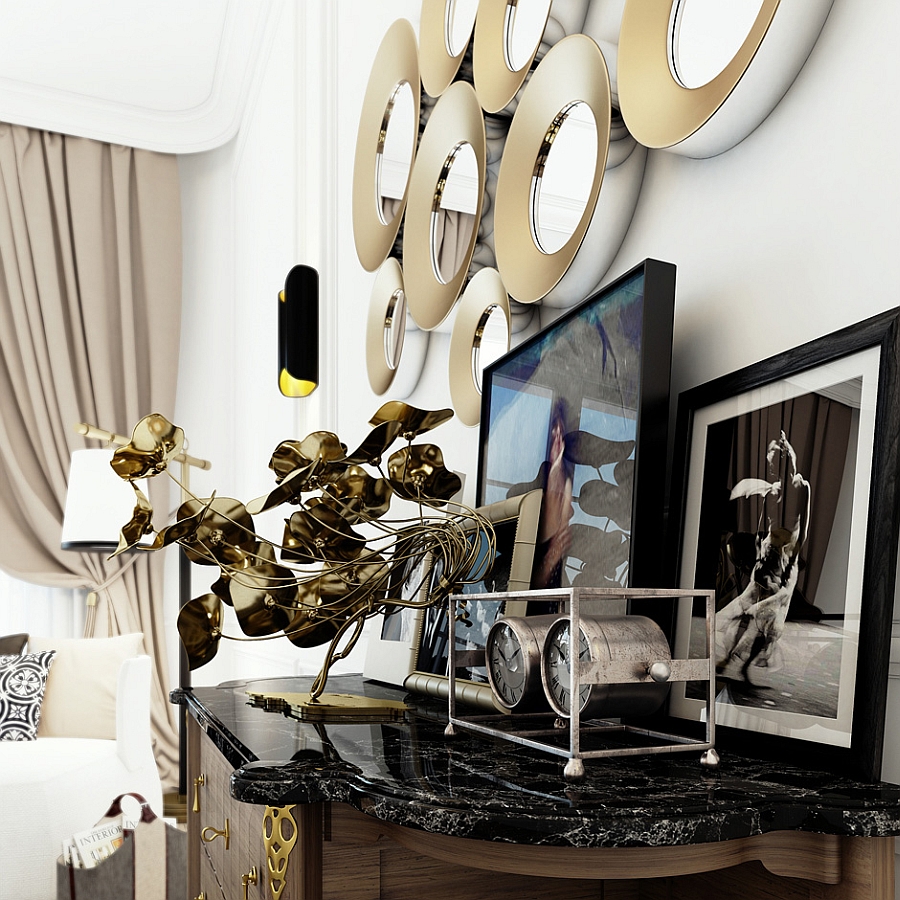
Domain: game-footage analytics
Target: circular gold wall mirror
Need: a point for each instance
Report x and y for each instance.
(524, 26)
(393, 159)
(480, 335)
(490, 342)
(444, 33)
(562, 180)
(507, 37)
(394, 328)
(706, 35)
(459, 24)
(432, 285)
(573, 73)
(453, 211)
(395, 348)
(674, 97)
(385, 145)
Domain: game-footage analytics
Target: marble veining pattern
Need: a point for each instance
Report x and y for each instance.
(410, 774)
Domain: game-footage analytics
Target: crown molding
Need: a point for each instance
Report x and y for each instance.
(162, 123)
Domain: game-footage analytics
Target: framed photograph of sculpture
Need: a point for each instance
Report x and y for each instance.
(789, 509)
(393, 645)
(515, 524)
(581, 410)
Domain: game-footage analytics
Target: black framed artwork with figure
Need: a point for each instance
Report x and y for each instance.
(786, 504)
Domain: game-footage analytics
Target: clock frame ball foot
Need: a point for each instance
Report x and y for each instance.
(450, 730)
(709, 759)
(574, 770)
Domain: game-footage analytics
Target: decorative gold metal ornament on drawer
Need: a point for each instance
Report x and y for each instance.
(278, 845)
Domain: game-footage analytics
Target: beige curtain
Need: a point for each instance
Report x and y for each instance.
(90, 306)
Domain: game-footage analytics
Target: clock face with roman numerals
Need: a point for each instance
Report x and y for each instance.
(507, 664)
(557, 667)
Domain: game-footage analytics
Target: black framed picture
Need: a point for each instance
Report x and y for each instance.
(787, 506)
(410, 646)
(581, 410)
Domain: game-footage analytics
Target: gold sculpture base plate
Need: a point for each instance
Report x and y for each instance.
(330, 707)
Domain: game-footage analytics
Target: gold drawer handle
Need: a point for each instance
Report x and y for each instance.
(214, 833)
(247, 880)
(199, 781)
(201, 896)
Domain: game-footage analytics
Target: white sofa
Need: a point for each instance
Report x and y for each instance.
(52, 787)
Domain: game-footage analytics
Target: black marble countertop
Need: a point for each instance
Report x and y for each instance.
(474, 787)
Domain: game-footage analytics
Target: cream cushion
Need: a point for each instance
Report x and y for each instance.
(80, 698)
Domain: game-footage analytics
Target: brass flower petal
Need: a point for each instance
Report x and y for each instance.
(263, 553)
(318, 447)
(288, 491)
(256, 593)
(376, 443)
(200, 628)
(321, 614)
(307, 630)
(418, 472)
(139, 525)
(222, 532)
(413, 421)
(358, 495)
(320, 533)
(155, 442)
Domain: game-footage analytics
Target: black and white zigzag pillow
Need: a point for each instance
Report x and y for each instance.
(22, 683)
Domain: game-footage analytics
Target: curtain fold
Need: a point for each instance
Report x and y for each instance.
(90, 306)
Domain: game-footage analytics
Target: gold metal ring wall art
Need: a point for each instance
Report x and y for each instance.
(395, 72)
(456, 123)
(497, 78)
(484, 294)
(395, 347)
(707, 120)
(439, 61)
(572, 72)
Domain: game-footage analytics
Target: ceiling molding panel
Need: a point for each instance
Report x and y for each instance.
(169, 76)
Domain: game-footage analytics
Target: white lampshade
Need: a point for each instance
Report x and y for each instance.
(98, 503)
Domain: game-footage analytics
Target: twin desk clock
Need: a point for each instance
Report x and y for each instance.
(529, 664)
(564, 694)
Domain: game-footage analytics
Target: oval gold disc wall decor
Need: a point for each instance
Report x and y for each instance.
(709, 119)
(572, 73)
(497, 77)
(386, 328)
(395, 75)
(484, 295)
(440, 62)
(455, 132)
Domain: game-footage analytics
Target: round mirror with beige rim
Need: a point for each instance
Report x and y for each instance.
(395, 350)
(385, 145)
(446, 194)
(507, 37)
(444, 34)
(697, 76)
(552, 168)
(480, 335)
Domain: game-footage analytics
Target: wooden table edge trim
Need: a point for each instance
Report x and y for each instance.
(795, 854)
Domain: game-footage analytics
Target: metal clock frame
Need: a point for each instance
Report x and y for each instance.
(599, 672)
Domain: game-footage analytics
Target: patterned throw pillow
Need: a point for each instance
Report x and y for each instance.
(22, 683)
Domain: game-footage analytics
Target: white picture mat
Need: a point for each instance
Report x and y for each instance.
(836, 732)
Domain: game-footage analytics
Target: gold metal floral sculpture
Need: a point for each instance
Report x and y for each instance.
(340, 560)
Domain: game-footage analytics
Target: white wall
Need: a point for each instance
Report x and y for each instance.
(789, 236)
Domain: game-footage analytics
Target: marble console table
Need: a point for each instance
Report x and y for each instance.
(378, 807)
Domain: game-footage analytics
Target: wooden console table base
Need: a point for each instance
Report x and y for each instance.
(793, 865)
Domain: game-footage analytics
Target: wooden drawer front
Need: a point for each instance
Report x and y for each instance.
(209, 883)
(215, 807)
